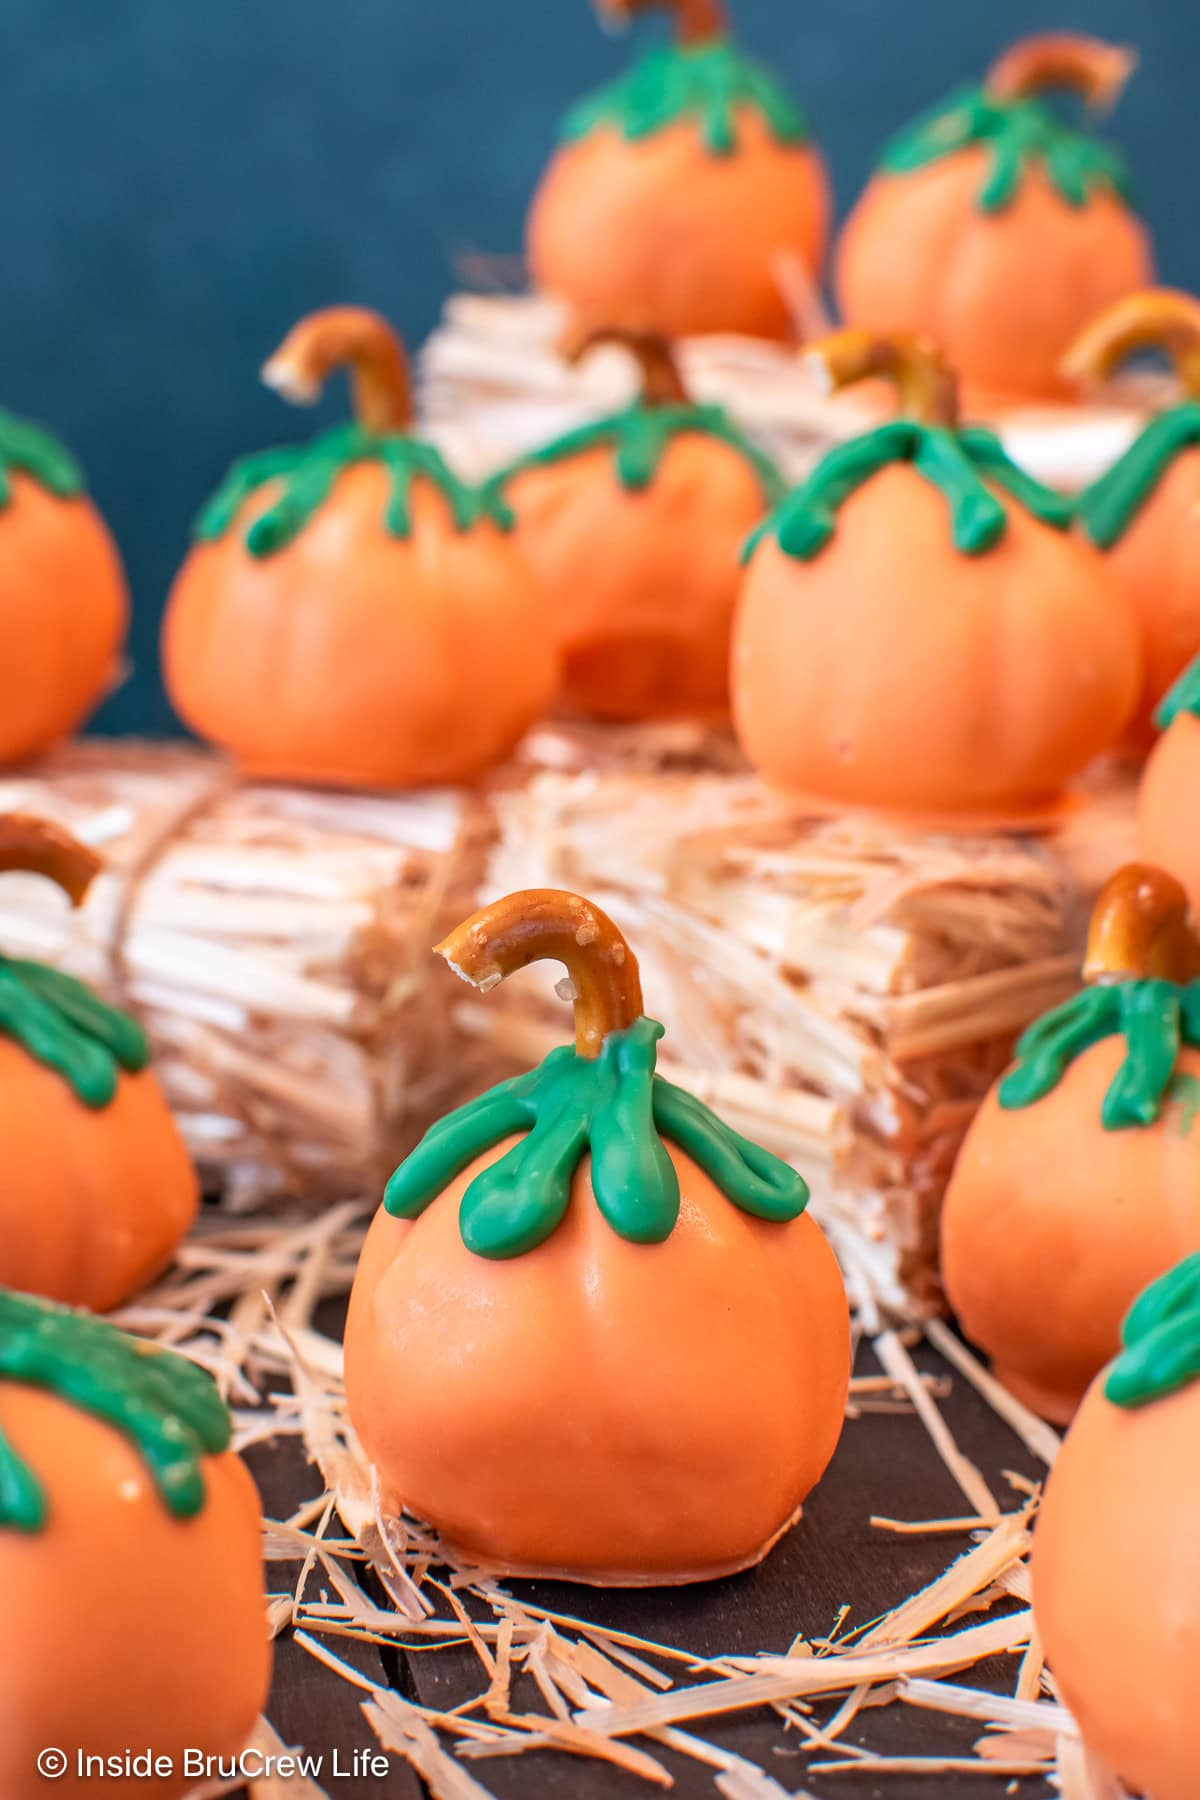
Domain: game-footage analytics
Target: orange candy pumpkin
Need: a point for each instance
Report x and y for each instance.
(64, 609)
(134, 1615)
(685, 198)
(1166, 811)
(592, 1332)
(996, 229)
(1079, 1180)
(918, 631)
(351, 613)
(1116, 1556)
(98, 1188)
(635, 525)
(1144, 512)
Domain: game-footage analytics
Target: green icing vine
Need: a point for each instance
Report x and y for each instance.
(617, 1108)
(167, 1407)
(27, 449)
(1017, 134)
(1154, 1017)
(1161, 1338)
(1184, 697)
(640, 437)
(958, 463)
(1109, 506)
(61, 1023)
(709, 83)
(308, 473)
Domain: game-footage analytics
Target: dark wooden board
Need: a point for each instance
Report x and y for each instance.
(885, 1464)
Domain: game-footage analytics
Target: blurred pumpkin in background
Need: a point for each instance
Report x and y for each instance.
(593, 1332)
(1145, 510)
(352, 613)
(1116, 1559)
(99, 1188)
(918, 630)
(997, 229)
(1079, 1179)
(64, 609)
(1170, 787)
(130, 1559)
(635, 525)
(686, 198)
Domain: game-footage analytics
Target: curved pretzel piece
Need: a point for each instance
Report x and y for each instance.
(1087, 66)
(1141, 929)
(1156, 319)
(925, 386)
(353, 337)
(37, 847)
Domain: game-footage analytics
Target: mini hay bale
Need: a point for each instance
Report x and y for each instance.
(493, 386)
(841, 990)
(275, 942)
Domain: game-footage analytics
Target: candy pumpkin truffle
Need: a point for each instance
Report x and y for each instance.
(352, 614)
(1145, 511)
(635, 525)
(1170, 786)
(593, 1332)
(64, 609)
(686, 198)
(918, 631)
(134, 1614)
(998, 229)
(1079, 1180)
(1116, 1590)
(98, 1187)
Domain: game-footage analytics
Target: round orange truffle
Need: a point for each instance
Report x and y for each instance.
(592, 1333)
(1079, 1180)
(352, 614)
(64, 609)
(685, 198)
(996, 229)
(635, 525)
(134, 1613)
(1116, 1562)
(99, 1188)
(918, 631)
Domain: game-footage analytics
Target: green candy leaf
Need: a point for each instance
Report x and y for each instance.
(28, 450)
(64, 1025)
(1114, 500)
(615, 1107)
(165, 1406)
(706, 84)
(306, 475)
(1161, 1335)
(1019, 135)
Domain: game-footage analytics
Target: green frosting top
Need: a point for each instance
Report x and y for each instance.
(963, 465)
(1018, 134)
(640, 437)
(1154, 1017)
(1184, 697)
(709, 83)
(167, 1407)
(614, 1107)
(1110, 505)
(61, 1023)
(27, 449)
(1161, 1335)
(308, 473)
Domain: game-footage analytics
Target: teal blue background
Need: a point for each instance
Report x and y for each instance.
(182, 179)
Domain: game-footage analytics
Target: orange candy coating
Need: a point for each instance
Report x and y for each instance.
(893, 671)
(1116, 1586)
(1052, 1226)
(1167, 805)
(1003, 293)
(63, 616)
(615, 1412)
(354, 658)
(644, 583)
(662, 235)
(93, 1203)
(122, 1627)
